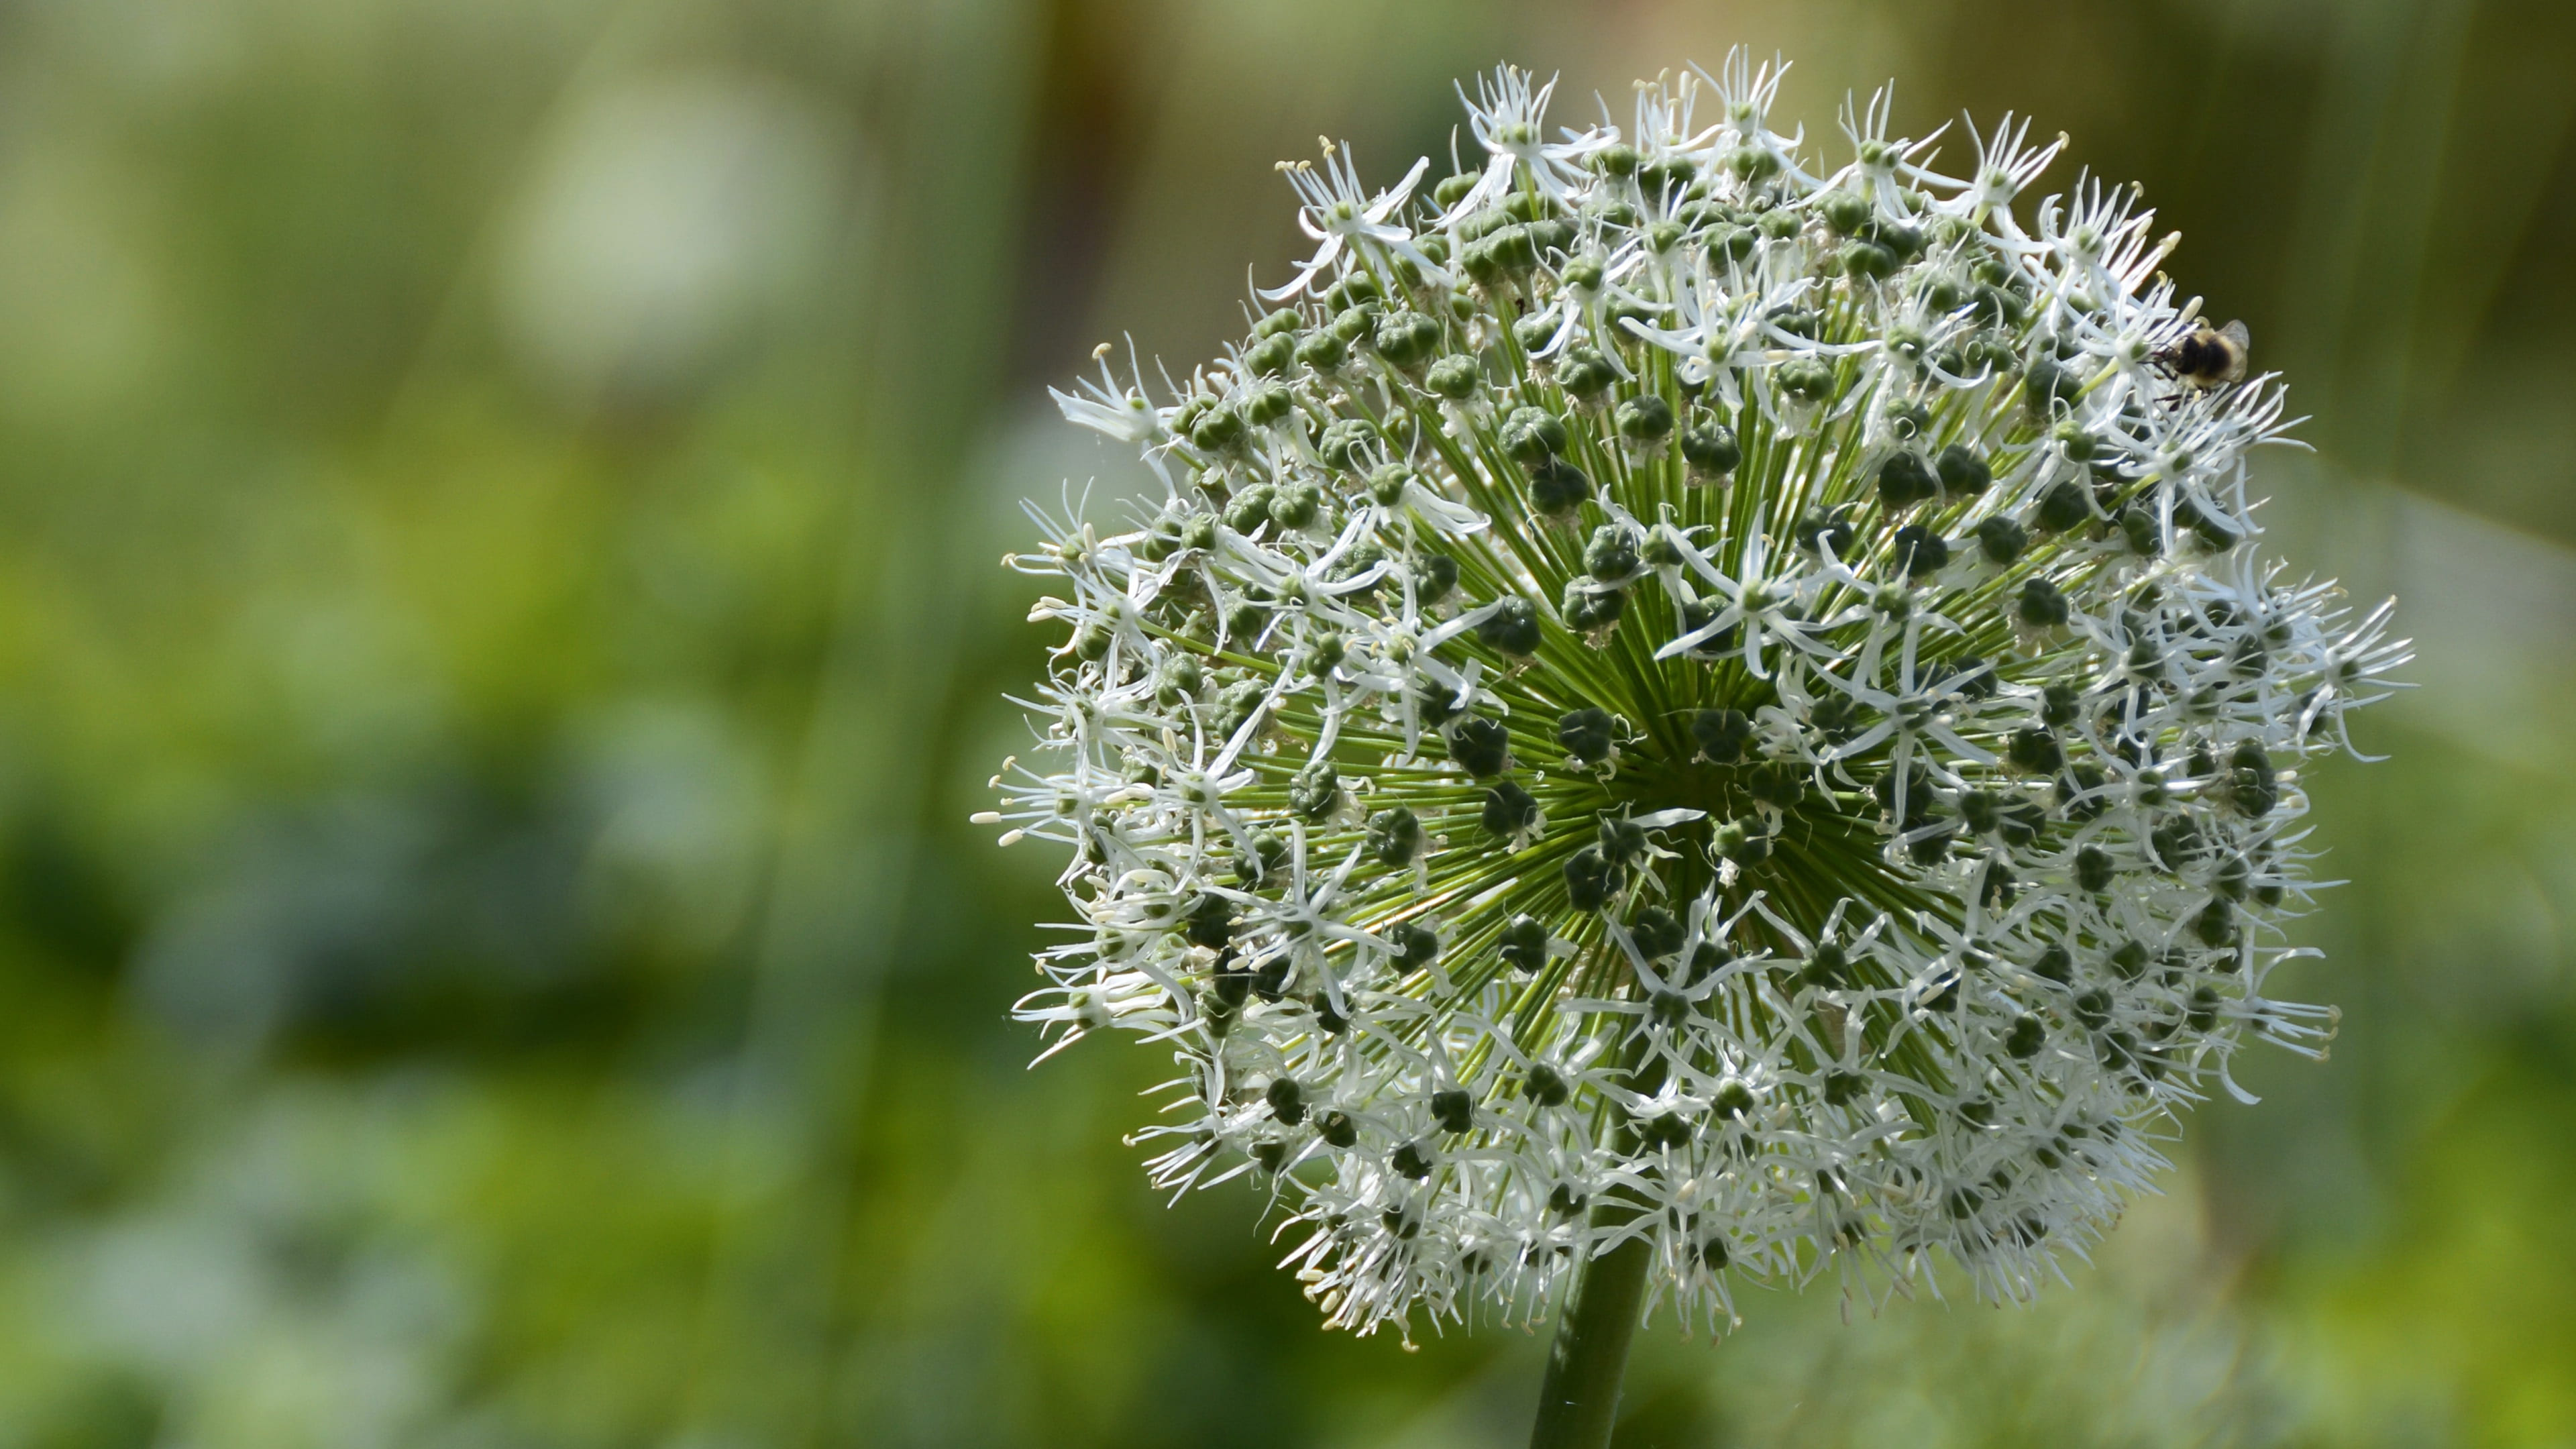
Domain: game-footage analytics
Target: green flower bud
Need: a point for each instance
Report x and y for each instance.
(1646, 419)
(1533, 436)
(1482, 747)
(1867, 260)
(1588, 607)
(1416, 946)
(1743, 842)
(1585, 374)
(1513, 628)
(1394, 837)
(1316, 790)
(1612, 553)
(1710, 449)
(2041, 605)
(1509, 810)
(2001, 539)
(1386, 484)
(1272, 355)
(1433, 578)
(1721, 734)
(1323, 351)
(1523, 945)
(1341, 444)
(1407, 338)
(1920, 551)
(2037, 751)
(1962, 471)
(1591, 879)
(1557, 487)
(1455, 378)
(1298, 505)
(2064, 506)
(1217, 430)
(1587, 734)
(1248, 509)
(1904, 481)
(1337, 1129)
(1657, 933)
(1806, 381)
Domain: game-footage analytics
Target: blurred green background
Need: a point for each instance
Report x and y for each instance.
(500, 637)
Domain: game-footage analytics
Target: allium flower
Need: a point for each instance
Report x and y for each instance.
(1677, 696)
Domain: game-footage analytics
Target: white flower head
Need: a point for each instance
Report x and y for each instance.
(1682, 692)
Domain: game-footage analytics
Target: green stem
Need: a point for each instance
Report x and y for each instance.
(1579, 1400)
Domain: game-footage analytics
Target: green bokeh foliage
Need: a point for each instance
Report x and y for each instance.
(499, 639)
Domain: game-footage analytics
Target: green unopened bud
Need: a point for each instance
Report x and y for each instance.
(1315, 791)
(2041, 605)
(1416, 945)
(1745, 843)
(1710, 449)
(1591, 879)
(1509, 810)
(1288, 1102)
(1298, 505)
(1612, 553)
(1455, 378)
(1394, 836)
(1512, 628)
(1523, 944)
(1323, 351)
(1387, 484)
(1532, 436)
(1271, 355)
(1657, 933)
(1867, 260)
(1904, 481)
(1344, 444)
(1844, 212)
(1557, 487)
(1646, 419)
(2064, 506)
(1805, 380)
(1585, 374)
(1482, 747)
(1434, 577)
(2001, 539)
(1587, 734)
(1217, 430)
(1920, 552)
(1962, 471)
(1721, 734)
(2036, 750)
(1407, 338)
(1591, 607)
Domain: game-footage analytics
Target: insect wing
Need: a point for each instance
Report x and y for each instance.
(2233, 342)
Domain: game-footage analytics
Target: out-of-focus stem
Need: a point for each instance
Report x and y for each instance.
(1579, 1400)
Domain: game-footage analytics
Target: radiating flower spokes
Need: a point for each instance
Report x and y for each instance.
(1882, 901)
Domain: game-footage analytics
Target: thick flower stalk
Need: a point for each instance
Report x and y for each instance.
(1683, 704)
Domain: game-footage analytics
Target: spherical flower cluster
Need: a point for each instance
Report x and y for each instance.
(1674, 695)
